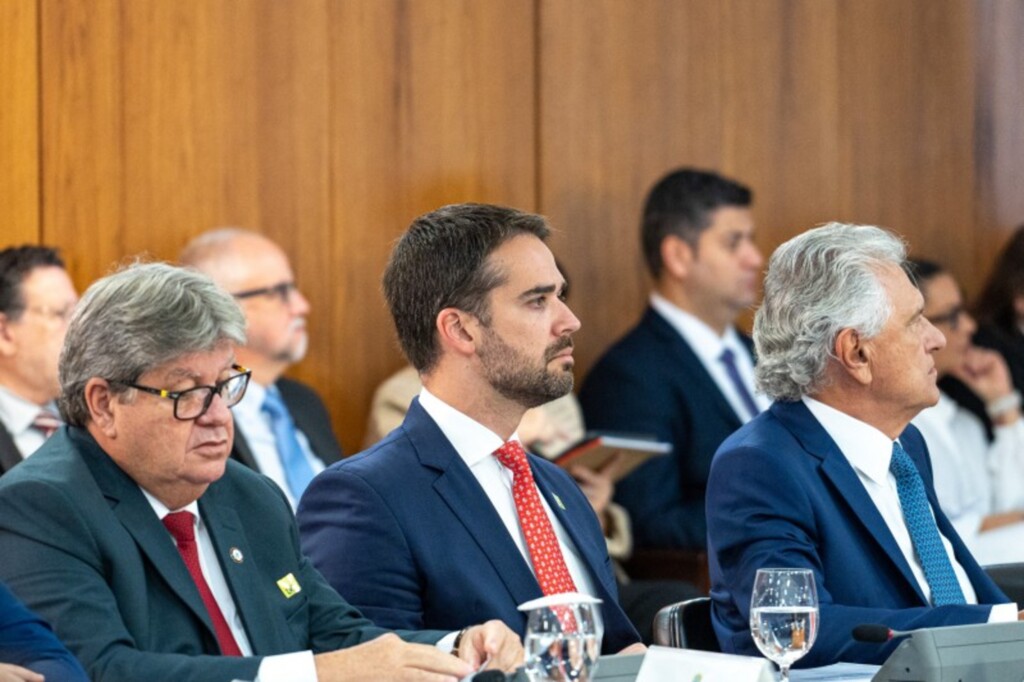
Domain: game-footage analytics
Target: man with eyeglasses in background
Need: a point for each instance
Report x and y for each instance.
(36, 301)
(154, 557)
(283, 428)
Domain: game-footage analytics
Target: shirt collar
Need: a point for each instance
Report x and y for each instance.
(472, 440)
(865, 447)
(705, 341)
(162, 510)
(18, 413)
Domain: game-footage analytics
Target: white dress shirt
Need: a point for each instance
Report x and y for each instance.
(17, 415)
(869, 452)
(975, 478)
(293, 667)
(708, 345)
(254, 424)
(476, 444)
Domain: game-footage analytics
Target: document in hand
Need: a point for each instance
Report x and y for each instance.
(597, 448)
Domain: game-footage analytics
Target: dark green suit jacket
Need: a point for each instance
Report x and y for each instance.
(81, 545)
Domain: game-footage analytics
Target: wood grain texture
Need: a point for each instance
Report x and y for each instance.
(330, 124)
(19, 123)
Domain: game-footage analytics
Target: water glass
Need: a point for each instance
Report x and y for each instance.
(784, 614)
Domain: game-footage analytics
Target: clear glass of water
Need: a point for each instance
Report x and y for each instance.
(563, 637)
(784, 614)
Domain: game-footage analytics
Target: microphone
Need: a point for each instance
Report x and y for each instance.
(877, 634)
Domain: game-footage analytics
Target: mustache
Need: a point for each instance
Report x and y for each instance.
(557, 347)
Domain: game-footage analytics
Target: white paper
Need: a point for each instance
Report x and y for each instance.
(845, 672)
(665, 664)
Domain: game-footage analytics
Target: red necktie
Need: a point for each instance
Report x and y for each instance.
(181, 526)
(541, 542)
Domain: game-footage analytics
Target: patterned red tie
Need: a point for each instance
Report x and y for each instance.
(541, 542)
(46, 422)
(182, 528)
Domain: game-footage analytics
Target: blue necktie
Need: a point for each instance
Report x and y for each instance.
(297, 470)
(729, 360)
(917, 513)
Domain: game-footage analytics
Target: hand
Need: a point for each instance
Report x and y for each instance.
(495, 641)
(389, 658)
(634, 648)
(598, 486)
(15, 673)
(985, 372)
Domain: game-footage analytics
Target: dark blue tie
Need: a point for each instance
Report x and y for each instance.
(917, 513)
(729, 360)
(297, 470)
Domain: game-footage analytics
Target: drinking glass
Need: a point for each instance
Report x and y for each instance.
(784, 614)
(563, 637)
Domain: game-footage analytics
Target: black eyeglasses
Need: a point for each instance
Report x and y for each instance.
(193, 403)
(951, 319)
(282, 290)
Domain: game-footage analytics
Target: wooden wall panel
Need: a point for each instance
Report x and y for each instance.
(431, 103)
(19, 123)
(82, 164)
(330, 124)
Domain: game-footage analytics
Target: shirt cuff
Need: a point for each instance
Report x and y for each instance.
(446, 643)
(294, 667)
(1003, 613)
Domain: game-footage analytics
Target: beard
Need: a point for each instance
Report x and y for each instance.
(515, 376)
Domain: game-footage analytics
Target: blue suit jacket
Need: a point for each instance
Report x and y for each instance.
(405, 532)
(782, 494)
(27, 641)
(651, 382)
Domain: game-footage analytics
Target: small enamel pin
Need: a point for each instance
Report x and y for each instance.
(559, 501)
(289, 586)
(236, 555)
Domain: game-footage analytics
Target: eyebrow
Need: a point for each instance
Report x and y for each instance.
(543, 289)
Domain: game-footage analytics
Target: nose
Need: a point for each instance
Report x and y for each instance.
(934, 339)
(298, 303)
(754, 259)
(568, 323)
(968, 323)
(217, 414)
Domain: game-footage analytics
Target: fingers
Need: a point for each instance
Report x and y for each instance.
(15, 673)
(502, 646)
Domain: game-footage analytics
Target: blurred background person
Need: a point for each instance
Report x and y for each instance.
(36, 302)
(283, 429)
(979, 479)
(999, 308)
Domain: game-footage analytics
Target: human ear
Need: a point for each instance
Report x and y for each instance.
(854, 354)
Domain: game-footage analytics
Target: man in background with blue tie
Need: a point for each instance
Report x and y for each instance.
(283, 429)
(833, 477)
(684, 373)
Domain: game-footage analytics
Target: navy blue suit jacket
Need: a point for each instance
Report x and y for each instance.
(405, 532)
(782, 494)
(651, 382)
(27, 641)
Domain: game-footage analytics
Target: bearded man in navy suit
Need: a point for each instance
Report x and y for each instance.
(833, 478)
(429, 527)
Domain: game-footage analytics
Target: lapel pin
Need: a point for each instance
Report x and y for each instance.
(236, 555)
(559, 501)
(289, 586)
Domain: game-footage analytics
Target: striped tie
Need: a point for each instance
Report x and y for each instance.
(46, 422)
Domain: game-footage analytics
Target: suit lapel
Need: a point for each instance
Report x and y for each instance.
(138, 518)
(459, 489)
(240, 571)
(695, 377)
(9, 453)
(842, 476)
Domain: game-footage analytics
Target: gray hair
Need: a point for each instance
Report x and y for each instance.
(819, 283)
(138, 318)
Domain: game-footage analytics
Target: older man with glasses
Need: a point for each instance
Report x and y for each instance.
(36, 301)
(153, 556)
(284, 430)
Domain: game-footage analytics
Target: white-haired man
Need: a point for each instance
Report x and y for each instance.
(832, 478)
